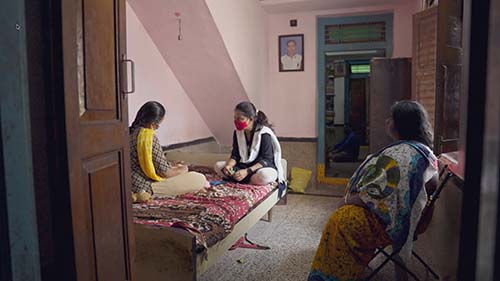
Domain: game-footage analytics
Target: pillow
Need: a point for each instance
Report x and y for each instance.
(300, 179)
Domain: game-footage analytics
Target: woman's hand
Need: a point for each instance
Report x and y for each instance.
(240, 175)
(183, 168)
(176, 163)
(176, 170)
(227, 170)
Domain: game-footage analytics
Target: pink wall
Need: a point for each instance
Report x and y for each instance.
(292, 98)
(244, 33)
(200, 61)
(156, 81)
(403, 27)
(228, 57)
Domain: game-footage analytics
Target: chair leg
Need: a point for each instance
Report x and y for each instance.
(390, 257)
(401, 265)
(377, 270)
(377, 252)
(436, 276)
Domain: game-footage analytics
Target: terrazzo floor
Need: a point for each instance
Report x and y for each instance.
(293, 236)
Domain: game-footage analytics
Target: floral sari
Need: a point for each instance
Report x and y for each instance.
(391, 184)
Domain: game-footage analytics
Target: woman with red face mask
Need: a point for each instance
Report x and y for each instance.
(256, 153)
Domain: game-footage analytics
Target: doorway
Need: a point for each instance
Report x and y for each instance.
(358, 95)
(358, 91)
(348, 88)
(345, 47)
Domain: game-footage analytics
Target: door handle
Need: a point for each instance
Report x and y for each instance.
(132, 76)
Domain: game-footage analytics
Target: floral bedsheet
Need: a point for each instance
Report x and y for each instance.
(209, 215)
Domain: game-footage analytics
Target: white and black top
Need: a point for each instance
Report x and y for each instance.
(262, 147)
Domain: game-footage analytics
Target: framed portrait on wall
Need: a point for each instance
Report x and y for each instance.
(339, 69)
(291, 52)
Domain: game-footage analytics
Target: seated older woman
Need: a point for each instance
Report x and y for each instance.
(384, 199)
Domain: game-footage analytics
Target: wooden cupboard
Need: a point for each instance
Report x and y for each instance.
(437, 69)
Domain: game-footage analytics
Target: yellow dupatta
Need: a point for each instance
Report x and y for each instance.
(145, 153)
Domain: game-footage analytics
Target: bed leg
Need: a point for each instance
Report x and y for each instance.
(283, 200)
(270, 215)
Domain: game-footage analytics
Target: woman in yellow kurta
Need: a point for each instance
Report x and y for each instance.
(151, 172)
(384, 199)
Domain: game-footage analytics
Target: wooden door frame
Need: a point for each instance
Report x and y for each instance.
(19, 202)
(479, 247)
(5, 270)
(49, 145)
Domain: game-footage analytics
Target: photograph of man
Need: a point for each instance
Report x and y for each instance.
(291, 60)
(291, 50)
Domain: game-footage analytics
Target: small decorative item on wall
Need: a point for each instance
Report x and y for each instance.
(339, 69)
(291, 52)
(429, 3)
(179, 22)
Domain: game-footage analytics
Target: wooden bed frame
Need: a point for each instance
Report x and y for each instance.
(169, 253)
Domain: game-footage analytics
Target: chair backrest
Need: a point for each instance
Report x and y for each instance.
(443, 180)
(426, 217)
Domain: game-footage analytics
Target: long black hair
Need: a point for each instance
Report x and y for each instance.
(412, 122)
(248, 110)
(150, 112)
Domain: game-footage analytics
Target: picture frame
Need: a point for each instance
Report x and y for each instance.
(339, 69)
(291, 52)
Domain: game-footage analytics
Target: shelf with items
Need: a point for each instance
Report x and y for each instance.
(329, 102)
(330, 98)
(330, 86)
(330, 121)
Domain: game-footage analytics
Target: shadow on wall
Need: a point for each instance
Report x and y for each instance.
(208, 77)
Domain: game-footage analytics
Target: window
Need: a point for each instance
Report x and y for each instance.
(354, 33)
(360, 68)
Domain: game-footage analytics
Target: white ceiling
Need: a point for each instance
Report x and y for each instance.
(292, 6)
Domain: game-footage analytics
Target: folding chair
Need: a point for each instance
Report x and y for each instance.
(391, 257)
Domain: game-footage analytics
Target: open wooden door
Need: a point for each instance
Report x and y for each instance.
(97, 137)
(448, 76)
(437, 69)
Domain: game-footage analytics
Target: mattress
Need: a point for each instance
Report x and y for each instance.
(208, 215)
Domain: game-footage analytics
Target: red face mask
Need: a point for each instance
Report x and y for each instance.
(240, 125)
